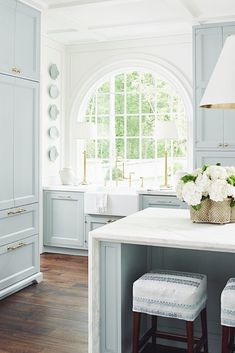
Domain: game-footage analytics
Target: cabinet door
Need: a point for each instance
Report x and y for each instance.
(213, 157)
(229, 114)
(7, 33)
(158, 201)
(208, 122)
(26, 142)
(6, 141)
(18, 223)
(93, 222)
(27, 42)
(64, 219)
(18, 261)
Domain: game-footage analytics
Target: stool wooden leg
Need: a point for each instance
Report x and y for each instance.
(190, 340)
(204, 329)
(225, 339)
(154, 328)
(232, 334)
(136, 331)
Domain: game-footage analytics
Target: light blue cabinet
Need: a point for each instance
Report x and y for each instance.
(7, 35)
(214, 128)
(19, 110)
(120, 266)
(26, 136)
(160, 201)
(19, 136)
(6, 142)
(20, 40)
(18, 223)
(214, 157)
(64, 219)
(93, 222)
(27, 42)
(18, 261)
(208, 123)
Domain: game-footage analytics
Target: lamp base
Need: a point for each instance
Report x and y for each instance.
(84, 182)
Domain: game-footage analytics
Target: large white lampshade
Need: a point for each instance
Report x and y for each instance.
(84, 131)
(166, 130)
(220, 91)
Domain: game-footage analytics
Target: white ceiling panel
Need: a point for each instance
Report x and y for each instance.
(79, 21)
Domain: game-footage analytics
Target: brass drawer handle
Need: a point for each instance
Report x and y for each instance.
(20, 245)
(220, 145)
(111, 221)
(65, 197)
(226, 145)
(16, 70)
(20, 210)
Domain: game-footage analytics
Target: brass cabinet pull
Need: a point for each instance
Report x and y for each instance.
(16, 70)
(220, 145)
(111, 221)
(20, 245)
(226, 145)
(20, 210)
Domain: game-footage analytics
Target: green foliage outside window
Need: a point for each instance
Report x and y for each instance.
(126, 110)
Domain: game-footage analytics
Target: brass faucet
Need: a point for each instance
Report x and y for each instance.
(130, 178)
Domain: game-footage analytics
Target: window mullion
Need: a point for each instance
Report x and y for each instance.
(112, 135)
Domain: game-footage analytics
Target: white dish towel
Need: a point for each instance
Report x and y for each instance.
(102, 202)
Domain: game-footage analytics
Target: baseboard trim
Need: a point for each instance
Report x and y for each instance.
(36, 278)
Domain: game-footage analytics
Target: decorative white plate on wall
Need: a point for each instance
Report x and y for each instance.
(53, 112)
(53, 133)
(54, 71)
(54, 91)
(53, 154)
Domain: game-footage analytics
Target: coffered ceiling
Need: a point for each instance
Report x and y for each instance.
(82, 21)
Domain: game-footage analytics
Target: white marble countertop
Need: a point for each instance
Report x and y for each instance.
(168, 228)
(71, 188)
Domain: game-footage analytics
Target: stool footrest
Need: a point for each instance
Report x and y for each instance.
(173, 336)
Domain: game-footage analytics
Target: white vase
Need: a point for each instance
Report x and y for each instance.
(67, 176)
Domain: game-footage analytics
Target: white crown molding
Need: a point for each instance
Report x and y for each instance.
(37, 4)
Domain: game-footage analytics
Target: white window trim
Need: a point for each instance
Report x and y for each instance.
(143, 63)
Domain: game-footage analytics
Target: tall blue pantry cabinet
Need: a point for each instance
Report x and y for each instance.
(19, 150)
(214, 129)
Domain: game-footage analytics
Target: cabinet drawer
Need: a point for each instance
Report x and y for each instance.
(162, 202)
(18, 223)
(18, 260)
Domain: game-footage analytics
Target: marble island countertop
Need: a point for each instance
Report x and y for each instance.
(168, 228)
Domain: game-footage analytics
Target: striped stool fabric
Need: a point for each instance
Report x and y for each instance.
(172, 294)
(228, 304)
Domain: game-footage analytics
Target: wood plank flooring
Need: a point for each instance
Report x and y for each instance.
(50, 317)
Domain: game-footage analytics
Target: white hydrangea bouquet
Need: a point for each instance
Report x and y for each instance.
(210, 193)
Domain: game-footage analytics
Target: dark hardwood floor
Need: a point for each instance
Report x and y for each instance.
(50, 317)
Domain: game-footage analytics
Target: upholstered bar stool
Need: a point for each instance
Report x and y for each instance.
(171, 294)
(228, 316)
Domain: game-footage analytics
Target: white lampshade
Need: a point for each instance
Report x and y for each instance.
(84, 131)
(166, 130)
(220, 91)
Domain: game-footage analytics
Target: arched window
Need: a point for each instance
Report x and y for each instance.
(125, 109)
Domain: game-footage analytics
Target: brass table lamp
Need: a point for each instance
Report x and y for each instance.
(84, 131)
(166, 130)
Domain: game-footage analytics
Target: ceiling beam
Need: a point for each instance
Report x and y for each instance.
(77, 3)
(190, 13)
(75, 26)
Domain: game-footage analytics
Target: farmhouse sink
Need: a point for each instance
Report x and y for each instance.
(121, 201)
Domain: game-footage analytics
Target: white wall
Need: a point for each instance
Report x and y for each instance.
(53, 53)
(84, 61)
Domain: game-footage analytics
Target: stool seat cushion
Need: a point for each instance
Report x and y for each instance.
(172, 294)
(228, 304)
